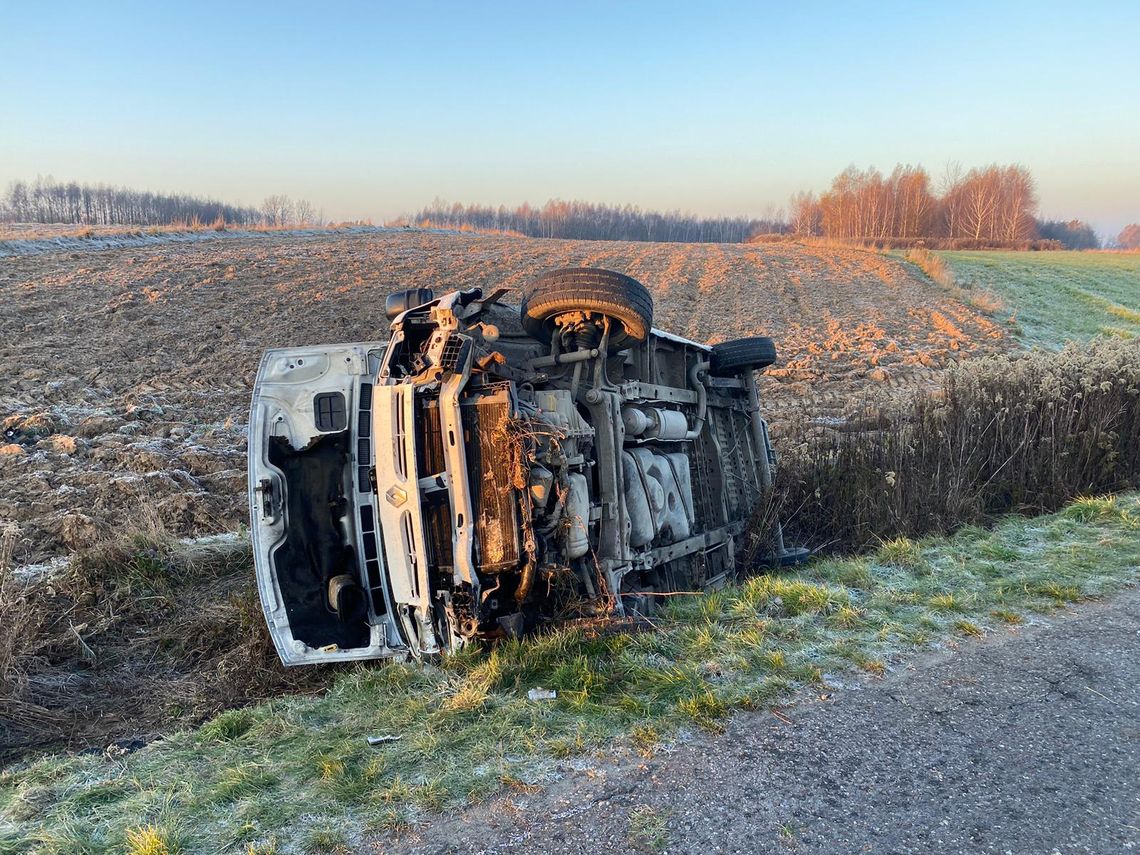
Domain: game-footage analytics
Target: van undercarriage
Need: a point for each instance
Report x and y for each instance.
(490, 468)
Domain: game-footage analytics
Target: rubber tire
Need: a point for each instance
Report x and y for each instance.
(619, 297)
(742, 354)
(399, 302)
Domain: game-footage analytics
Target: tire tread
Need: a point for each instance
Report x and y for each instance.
(732, 357)
(592, 289)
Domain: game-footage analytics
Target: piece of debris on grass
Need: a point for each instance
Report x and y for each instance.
(380, 740)
(541, 694)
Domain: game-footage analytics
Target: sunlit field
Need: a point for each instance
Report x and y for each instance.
(1052, 297)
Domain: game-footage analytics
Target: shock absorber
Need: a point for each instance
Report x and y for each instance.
(587, 335)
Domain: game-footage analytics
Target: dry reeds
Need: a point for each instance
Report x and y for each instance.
(138, 631)
(1022, 433)
(932, 265)
(14, 628)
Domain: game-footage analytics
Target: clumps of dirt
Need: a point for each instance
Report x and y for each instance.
(70, 474)
(132, 637)
(22, 433)
(27, 429)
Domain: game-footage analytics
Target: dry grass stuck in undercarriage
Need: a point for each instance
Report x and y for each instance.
(298, 774)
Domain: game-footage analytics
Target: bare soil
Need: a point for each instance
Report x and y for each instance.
(125, 373)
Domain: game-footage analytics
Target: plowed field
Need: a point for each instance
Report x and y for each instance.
(125, 373)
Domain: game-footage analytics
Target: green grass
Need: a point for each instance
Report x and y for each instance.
(648, 830)
(1053, 297)
(297, 774)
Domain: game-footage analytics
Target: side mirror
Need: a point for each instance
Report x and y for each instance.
(398, 303)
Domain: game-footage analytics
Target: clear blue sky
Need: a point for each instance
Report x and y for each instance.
(372, 109)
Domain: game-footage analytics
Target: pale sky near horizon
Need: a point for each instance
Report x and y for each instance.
(374, 109)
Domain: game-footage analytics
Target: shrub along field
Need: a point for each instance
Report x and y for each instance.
(1053, 297)
(1022, 433)
(298, 774)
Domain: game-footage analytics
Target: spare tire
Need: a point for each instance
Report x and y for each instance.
(742, 354)
(621, 298)
(399, 302)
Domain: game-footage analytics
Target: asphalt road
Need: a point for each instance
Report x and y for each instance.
(1023, 742)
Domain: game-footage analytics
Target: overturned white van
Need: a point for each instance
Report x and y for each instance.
(491, 467)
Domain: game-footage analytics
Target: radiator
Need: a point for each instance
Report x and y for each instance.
(493, 495)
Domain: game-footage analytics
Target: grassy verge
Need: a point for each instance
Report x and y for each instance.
(297, 773)
(1054, 297)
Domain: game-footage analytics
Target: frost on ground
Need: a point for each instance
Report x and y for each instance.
(122, 238)
(125, 374)
(300, 774)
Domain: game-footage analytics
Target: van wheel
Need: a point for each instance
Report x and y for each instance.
(552, 299)
(742, 354)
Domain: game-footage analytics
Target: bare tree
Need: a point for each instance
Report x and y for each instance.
(979, 200)
(306, 213)
(277, 211)
(1019, 202)
(805, 216)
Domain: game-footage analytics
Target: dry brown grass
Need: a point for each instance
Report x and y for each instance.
(140, 631)
(21, 628)
(1021, 433)
(17, 624)
(935, 267)
(932, 265)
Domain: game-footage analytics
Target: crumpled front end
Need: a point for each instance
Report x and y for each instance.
(453, 509)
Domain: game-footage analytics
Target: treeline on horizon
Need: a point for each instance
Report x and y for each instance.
(577, 220)
(46, 200)
(988, 207)
(992, 206)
